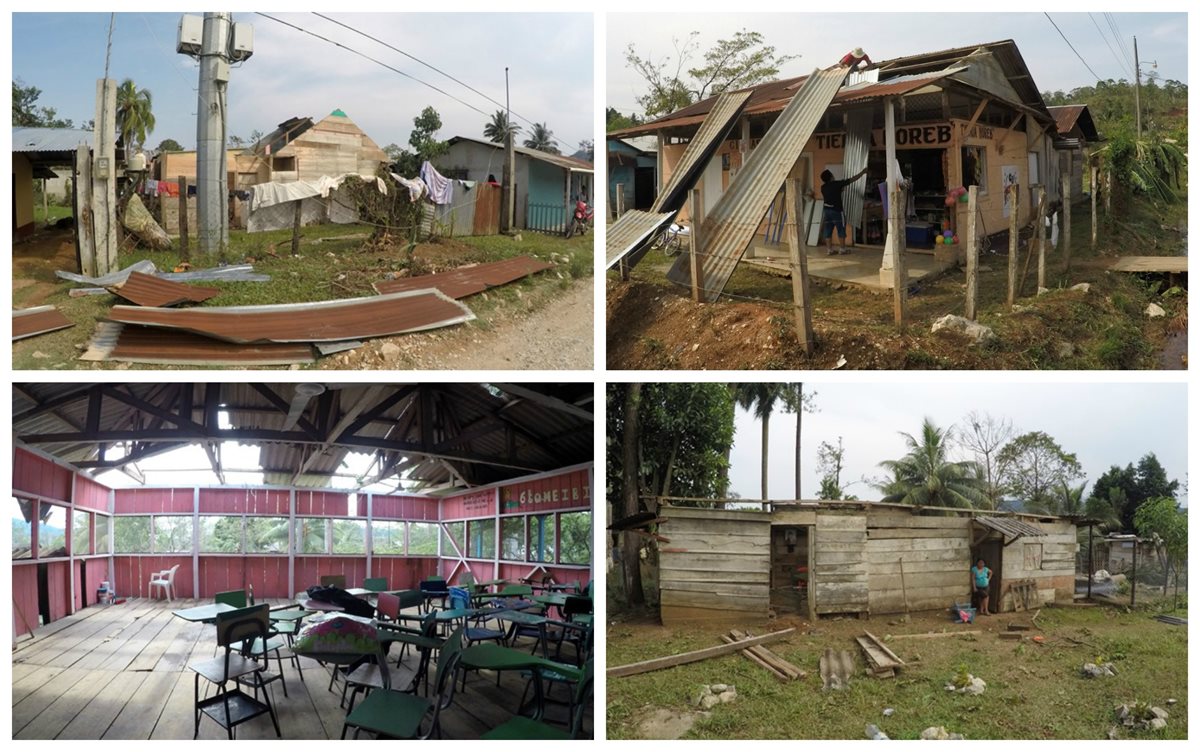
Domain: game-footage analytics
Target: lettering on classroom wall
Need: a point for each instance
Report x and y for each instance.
(476, 503)
(551, 497)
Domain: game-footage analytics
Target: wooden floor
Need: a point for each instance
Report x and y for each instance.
(120, 672)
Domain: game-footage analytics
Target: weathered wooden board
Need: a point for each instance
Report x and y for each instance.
(743, 515)
(884, 533)
(918, 544)
(883, 520)
(839, 577)
(707, 562)
(921, 561)
(915, 580)
(655, 664)
(717, 589)
(717, 560)
(725, 576)
(830, 522)
(731, 606)
(734, 544)
(794, 517)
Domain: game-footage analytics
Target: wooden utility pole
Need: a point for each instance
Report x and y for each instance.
(1066, 215)
(1041, 236)
(296, 227)
(620, 202)
(795, 229)
(509, 191)
(972, 250)
(1014, 237)
(899, 277)
(184, 241)
(83, 207)
(696, 205)
(1095, 184)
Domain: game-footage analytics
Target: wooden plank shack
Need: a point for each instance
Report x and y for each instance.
(1048, 560)
(936, 552)
(717, 566)
(839, 577)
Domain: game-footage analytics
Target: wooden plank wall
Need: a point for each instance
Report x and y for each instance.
(38, 475)
(310, 568)
(25, 598)
(263, 501)
(936, 553)
(90, 495)
(1049, 560)
(717, 565)
(267, 574)
(839, 577)
(97, 572)
(131, 574)
(403, 572)
(153, 500)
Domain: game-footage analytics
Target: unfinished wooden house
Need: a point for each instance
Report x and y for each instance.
(820, 558)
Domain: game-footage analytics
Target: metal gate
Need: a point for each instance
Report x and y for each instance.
(547, 218)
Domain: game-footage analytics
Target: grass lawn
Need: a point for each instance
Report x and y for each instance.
(1033, 691)
(54, 214)
(334, 261)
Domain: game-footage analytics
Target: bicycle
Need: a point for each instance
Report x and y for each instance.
(669, 240)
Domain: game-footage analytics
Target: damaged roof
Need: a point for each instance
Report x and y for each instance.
(1068, 116)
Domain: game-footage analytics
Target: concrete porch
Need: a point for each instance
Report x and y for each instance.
(859, 267)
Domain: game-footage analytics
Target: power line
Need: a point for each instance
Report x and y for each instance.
(1068, 41)
(1112, 24)
(1124, 66)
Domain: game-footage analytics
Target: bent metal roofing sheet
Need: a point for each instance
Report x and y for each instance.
(729, 226)
(325, 321)
(33, 321)
(150, 291)
(144, 344)
(634, 229)
(468, 280)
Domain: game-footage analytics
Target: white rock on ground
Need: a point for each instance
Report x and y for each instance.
(1081, 287)
(1155, 311)
(875, 734)
(976, 331)
(938, 733)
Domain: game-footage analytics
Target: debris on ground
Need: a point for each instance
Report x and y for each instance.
(1155, 311)
(781, 669)
(874, 734)
(888, 712)
(881, 661)
(139, 221)
(836, 669)
(712, 695)
(939, 733)
(692, 656)
(1094, 671)
(1081, 287)
(967, 684)
(979, 333)
(1141, 715)
(1168, 619)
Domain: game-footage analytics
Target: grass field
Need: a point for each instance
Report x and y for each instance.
(1033, 691)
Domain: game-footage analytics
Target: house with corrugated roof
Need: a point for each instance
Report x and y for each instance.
(1076, 131)
(36, 152)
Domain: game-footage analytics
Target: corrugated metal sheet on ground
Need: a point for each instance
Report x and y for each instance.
(1008, 526)
(151, 291)
(34, 321)
(324, 321)
(469, 280)
(143, 344)
(728, 228)
(713, 132)
(238, 273)
(633, 229)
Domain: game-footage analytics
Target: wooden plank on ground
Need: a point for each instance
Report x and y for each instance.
(934, 635)
(670, 661)
(754, 658)
(1160, 264)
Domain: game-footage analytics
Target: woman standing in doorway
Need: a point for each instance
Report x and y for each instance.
(981, 578)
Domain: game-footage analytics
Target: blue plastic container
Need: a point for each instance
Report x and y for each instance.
(959, 609)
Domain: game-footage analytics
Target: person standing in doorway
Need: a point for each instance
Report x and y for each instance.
(833, 215)
(981, 579)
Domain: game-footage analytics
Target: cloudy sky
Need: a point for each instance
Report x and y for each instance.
(1103, 424)
(293, 74)
(822, 38)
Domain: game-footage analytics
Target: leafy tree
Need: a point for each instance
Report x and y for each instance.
(499, 127)
(830, 460)
(796, 401)
(256, 135)
(236, 141)
(541, 138)
(1148, 480)
(926, 476)
(1034, 466)
(131, 535)
(615, 120)
(984, 435)
(586, 150)
(740, 61)
(393, 151)
(26, 113)
(575, 533)
(1106, 510)
(1162, 520)
(135, 116)
(169, 144)
(424, 142)
(761, 398)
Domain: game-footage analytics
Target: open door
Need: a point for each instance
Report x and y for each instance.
(991, 550)
(790, 554)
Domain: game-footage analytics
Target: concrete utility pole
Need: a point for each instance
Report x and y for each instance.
(1137, 88)
(212, 214)
(509, 189)
(103, 202)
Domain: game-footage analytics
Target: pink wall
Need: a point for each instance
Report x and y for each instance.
(475, 504)
(399, 507)
(267, 574)
(244, 501)
(37, 475)
(515, 572)
(310, 568)
(153, 500)
(131, 574)
(320, 502)
(25, 598)
(90, 495)
(403, 573)
(97, 572)
(569, 490)
(58, 578)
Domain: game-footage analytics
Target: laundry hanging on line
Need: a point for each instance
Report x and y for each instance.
(441, 188)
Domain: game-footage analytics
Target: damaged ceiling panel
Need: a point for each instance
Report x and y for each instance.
(465, 281)
(324, 321)
(34, 321)
(143, 344)
(153, 292)
(732, 222)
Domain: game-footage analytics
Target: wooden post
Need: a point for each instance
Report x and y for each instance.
(184, 242)
(794, 205)
(1095, 186)
(1107, 193)
(1040, 233)
(1014, 237)
(46, 219)
(620, 202)
(296, 227)
(83, 213)
(899, 277)
(1066, 216)
(972, 250)
(696, 206)
(623, 268)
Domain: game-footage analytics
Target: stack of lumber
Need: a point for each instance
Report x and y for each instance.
(763, 656)
(881, 661)
(1024, 594)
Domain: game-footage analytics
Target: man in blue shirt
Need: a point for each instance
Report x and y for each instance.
(981, 578)
(832, 216)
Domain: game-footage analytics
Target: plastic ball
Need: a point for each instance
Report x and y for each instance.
(938, 240)
(955, 240)
(964, 198)
(949, 201)
(948, 233)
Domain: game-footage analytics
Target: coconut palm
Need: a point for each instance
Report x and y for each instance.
(796, 401)
(926, 476)
(135, 120)
(1107, 511)
(761, 398)
(499, 127)
(1070, 500)
(542, 139)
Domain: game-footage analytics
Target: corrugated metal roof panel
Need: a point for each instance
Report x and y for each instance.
(893, 87)
(469, 280)
(631, 231)
(729, 226)
(151, 291)
(1009, 527)
(700, 150)
(31, 322)
(28, 139)
(558, 160)
(144, 344)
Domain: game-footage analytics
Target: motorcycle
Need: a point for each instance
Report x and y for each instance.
(581, 220)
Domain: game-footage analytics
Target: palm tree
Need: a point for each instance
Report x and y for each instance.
(761, 398)
(927, 477)
(1107, 511)
(542, 139)
(499, 127)
(796, 401)
(135, 121)
(1070, 500)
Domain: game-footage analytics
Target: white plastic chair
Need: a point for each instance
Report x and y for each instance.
(164, 580)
